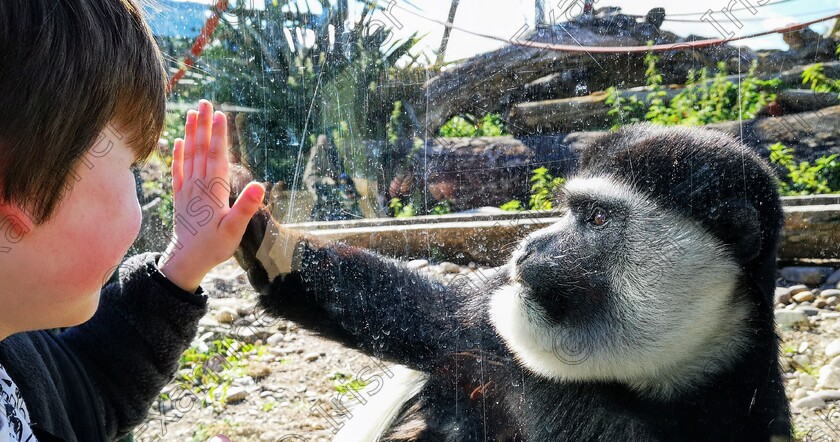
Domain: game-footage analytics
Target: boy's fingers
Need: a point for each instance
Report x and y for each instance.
(177, 166)
(202, 138)
(236, 220)
(189, 143)
(217, 154)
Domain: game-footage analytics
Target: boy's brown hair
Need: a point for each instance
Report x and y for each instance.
(67, 69)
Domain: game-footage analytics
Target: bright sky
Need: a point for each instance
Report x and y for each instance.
(505, 18)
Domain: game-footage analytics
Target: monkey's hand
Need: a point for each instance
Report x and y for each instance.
(348, 294)
(267, 249)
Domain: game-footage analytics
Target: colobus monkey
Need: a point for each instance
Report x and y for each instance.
(644, 314)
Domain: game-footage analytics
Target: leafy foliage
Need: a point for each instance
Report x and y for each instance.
(804, 178)
(209, 369)
(402, 210)
(467, 125)
(301, 81)
(512, 206)
(543, 188)
(442, 208)
(704, 100)
(814, 76)
(343, 383)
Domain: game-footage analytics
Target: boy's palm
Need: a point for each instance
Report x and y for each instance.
(207, 231)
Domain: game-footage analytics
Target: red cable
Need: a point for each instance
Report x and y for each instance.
(198, 47)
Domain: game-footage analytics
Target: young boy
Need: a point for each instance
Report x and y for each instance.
(81, 101)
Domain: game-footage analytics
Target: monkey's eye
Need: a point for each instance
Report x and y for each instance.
(598, 217)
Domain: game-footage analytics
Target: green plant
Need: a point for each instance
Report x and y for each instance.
(703, 100)
(402, 210)
(543, 188)
(303, 82)
(344, 383)
(467, 125)
(624, 110)
(200, 434)
(209, 369)
(442, 208)
(512, 206)
(817, 80)
(804, 178)
(268, 406)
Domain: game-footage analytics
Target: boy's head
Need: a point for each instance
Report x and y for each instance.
(82, 97)
(68, 68)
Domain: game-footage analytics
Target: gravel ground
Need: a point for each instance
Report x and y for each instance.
(286, 384)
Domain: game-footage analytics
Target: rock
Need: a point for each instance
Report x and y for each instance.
(829, 315)
(831, 300)
(248, 334)
(834, 278)
(269, 436)
(417, 263)
(788, 318)
(794, 289)
(226, 315)
(800, 393)
(808, 403)
(803, 361)
(806, 275)
(449, 267)
(833, 348)
(219, 438)
(830, 293)
(806, 380)
(782, 296)
(311, 357)
(820, 303)
(829, 377)
(235, 394)
(258, 370)
(835, 362)
(275, 339)
(804, 296)
(828, 395)
(808, 310)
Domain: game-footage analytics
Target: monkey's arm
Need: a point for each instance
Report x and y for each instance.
(347, 294)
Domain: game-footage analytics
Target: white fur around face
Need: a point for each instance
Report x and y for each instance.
(674, 323)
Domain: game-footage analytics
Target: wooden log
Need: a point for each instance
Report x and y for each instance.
(810, 232)
(493, 81)
(591, 112)
(484, 83)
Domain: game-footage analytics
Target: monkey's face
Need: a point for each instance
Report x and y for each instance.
(621, 290)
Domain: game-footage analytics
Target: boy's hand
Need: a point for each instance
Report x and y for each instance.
(207, 231)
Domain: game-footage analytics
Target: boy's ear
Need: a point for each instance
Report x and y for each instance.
(15, 223)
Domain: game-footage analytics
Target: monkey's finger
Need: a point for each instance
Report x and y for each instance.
(189, 143)
(177, 166)
(202, 138)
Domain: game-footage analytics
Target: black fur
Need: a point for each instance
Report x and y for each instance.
(477, 391)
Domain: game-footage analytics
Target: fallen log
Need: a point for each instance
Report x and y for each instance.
(810, 232)
(591, 112)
